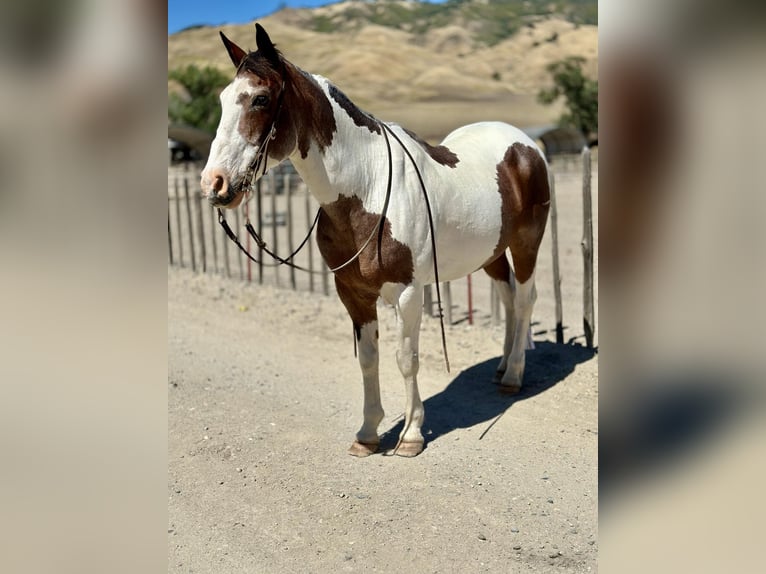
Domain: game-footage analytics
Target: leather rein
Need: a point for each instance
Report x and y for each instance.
(259, 164)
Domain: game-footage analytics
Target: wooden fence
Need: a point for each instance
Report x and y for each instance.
(281, 210)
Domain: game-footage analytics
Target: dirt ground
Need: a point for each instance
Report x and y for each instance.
(264, 399)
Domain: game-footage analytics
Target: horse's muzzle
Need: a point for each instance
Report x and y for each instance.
(219, 190)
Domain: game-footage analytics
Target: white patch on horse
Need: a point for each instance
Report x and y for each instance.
(230, 151)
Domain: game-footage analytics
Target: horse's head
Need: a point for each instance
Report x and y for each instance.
(251, 108)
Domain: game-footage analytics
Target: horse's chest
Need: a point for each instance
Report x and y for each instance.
(344, 228)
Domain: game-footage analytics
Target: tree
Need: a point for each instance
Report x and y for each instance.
(199, 106)
(580, 93)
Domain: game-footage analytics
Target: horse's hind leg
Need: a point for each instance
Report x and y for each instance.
(500, 272)
(523, 302)
(524, 185)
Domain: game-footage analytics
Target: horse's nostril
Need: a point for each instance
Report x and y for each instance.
(217, 183)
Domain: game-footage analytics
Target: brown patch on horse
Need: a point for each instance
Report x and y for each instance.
(344, 226)
(359, 117)
(499, 269)
(305, 115)
(522, 180)
(440, 154)
(313, 112)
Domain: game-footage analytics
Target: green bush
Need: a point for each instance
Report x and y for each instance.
(200, 107)
(580, 94)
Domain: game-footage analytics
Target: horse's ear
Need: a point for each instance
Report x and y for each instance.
(236, 53)
(266, 46)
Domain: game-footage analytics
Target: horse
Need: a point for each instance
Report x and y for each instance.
(389, 203)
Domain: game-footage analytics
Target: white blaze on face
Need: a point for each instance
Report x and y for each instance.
(230, 153)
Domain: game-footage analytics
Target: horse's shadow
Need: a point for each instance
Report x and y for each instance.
(471, 398)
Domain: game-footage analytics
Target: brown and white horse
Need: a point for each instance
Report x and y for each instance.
(487, 186)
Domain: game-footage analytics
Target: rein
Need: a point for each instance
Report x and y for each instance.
(259, 163)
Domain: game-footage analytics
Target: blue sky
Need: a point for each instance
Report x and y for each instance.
(184, 13)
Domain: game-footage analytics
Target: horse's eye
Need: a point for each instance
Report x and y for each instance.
(260, 101)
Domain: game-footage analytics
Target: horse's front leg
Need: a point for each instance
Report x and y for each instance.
(361, 306)
(367, 439)
(410, 312)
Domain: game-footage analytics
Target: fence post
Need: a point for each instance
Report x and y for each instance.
(225, 243)
(325, 279)
(447, 302)
(428, 300)
(238, 223)
(494, 303)
(310, 246)
(259, 207)
(288, 196)
(470, 300)
(587, 250)
(177, 199)
(170, 237)
(212, 240)
(274, 240)
(556, 272)
(201, 232)
(191, 226)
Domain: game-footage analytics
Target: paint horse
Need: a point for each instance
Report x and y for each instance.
(487, 188)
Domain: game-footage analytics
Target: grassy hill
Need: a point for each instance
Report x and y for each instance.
(465, 59)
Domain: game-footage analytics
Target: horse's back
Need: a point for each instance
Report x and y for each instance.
(486, 141)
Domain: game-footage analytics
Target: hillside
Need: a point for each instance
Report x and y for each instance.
(386, 54)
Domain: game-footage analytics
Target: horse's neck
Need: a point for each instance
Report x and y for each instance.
(351, 165)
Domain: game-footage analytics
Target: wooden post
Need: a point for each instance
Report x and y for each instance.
(494, 303)
(556, 271)
(325, 279)
(447, 302)
(225, 243)
(191, 226)
(201, 232)
(310, 246)
(259, 206)
(428, 300)
(290, 247)
(177, 199)
(587, 250)
(470, 300)
(170, 237)
(212, 239)
(274, 240)
(238, 225)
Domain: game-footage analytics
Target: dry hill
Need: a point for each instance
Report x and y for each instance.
(431, 78)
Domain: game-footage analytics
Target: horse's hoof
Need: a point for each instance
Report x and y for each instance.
(498, 378)
(510, 389)
(409, 448)
(362, 449)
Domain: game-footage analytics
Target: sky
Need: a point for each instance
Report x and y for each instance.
(184, 13)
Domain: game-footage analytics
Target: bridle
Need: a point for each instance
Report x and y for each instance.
(259, 164)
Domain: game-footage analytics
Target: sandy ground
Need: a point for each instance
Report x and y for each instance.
(265, 398)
